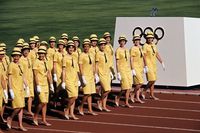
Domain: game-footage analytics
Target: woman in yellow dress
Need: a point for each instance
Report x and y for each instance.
(33, 50)
(123, 71)
(94, 45)
(110, 52)
(77, 50)
(4, 64)
(27, 65)
(16, 82)
(103, 70)
(64, 37)
(42, 75)
(57, 69)
(137, 65)
(87, 71)
(51, 52)
(70, 75)
(151, 54)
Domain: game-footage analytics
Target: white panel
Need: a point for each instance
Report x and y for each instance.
(192, 43)
(171, 47)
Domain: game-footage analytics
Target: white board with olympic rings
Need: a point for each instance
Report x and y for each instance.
(179, 48)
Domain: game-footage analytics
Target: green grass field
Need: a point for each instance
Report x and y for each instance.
(45, 18)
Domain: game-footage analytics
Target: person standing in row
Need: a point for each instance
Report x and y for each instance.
(3, 83)
(33, 50)
(4, 65)
(137, 65)
(103, 70)
(64, 37)
(151, 54)
(87, 70)
(51, 52)
(77, 50)
(42, 75)
(123, 71)
(94, 45)
(16, 81)
(110, 52)
(27, 65)
(70, 81)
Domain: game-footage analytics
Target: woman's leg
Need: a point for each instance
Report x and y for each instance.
(72, 108)
(30, 100)
(20, 117)
(2, 112)
(104, 100)
(117, 98)
(137, 90)
(80, 108)
(127, 94)
(152, 91)
(44, 113)
(35, 117)
(10, 118)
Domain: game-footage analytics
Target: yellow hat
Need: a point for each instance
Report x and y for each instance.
(25, 46)
(64, 36)
(86, 41)
(102, 41)
(31, 40)
(52, 39)
(21, 40)
(42, 50)
(75, 38)
(3, 45)
(37, 39)
(61, 42)
(93, 37)
(70, 43)
(122, 37)
(43, 43)
(19, 43)
(150, 35)
(106, 34)
(2, 51)
(16, 51)
(136, 37)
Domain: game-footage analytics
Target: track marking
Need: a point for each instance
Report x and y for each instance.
(173, 109)
(177, 101)
(128, 125)
(54, 130)
(146, 116)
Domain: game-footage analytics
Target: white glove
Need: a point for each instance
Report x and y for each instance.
(119, 77)
(163, 66)
(52, 88)
(97, 78)
(79, 83)
(111, 75)
(146, 69)
(27, 90)
(38, 88)
(12, 95)
(63, 85)
(84, 80)
(55, 77)
(5, 92)
(133, 72)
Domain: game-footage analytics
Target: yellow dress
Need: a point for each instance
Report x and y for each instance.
(123, 57)
(42, 69)
(109, 51)
(33, 55)
(3, 71)
(138, 64)
(50, 55)
(93, 51)
(1, 94)
(27, 65)
(151, 51)
(58, 59)
(71, 75)
(16, 71)
(6, 61)
(104, 70)
(87, 62)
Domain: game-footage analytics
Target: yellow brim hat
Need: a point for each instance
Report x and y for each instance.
(16, 53)
(149, 36)
(2, 51)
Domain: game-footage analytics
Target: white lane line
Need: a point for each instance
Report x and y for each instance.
(146, 116)
(178, 101)
(172, 109)
(54, 130)
(128, 125)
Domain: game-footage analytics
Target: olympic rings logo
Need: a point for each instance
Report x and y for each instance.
(143, 33)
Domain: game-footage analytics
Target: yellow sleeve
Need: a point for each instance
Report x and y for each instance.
(97, 57)
(64, 62)
(10, 69)
(117, 54)
(55, 58)
(132, 52)
(144, 48)
(35, 65)
(80, 59)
